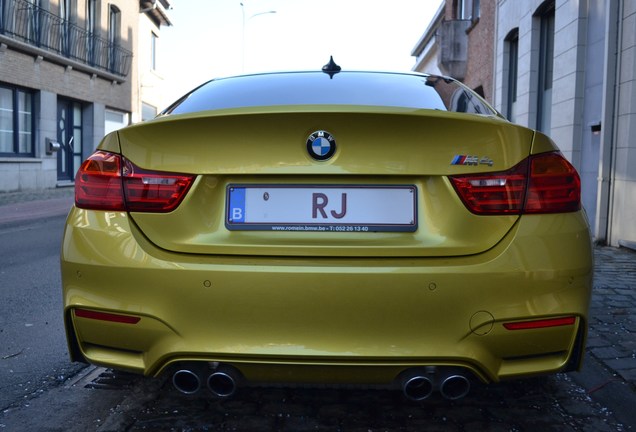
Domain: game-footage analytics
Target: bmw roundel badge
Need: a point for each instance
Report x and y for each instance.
(321, 145)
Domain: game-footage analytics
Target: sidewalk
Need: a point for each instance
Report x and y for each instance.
(612, 331)
(609, 367)
(31, 205)
(612, 336)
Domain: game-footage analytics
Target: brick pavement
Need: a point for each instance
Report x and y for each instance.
(612, 333)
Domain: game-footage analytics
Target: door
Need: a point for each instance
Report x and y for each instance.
(69, 135)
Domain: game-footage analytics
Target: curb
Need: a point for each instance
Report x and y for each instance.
(35, 204)
(32, 210)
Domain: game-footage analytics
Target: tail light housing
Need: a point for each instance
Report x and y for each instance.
(108, 181)
(543, 183)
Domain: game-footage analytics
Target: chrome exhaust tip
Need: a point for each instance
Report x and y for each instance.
(417, 387)
(455, 386)
(222, 383)
(186, 381)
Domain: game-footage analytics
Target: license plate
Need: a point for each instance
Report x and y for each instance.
(321, 208)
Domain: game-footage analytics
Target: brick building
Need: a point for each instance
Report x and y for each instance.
(68, 75)
(459, 42)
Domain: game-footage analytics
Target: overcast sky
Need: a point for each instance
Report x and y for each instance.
(210, 38)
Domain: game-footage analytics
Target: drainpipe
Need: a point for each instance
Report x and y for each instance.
(605, 193)
(494, 63)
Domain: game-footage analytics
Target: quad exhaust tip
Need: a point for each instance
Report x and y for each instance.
(186, 381)
(418, 388)
(222, 384)
(222, 381)
(420, 384)
(416, 384)
(455, 386)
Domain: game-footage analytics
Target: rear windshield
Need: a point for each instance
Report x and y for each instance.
(344, 88)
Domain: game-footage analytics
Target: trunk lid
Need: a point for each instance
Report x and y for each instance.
(376, 147)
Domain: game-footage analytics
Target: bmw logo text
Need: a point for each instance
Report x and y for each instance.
(321, 145)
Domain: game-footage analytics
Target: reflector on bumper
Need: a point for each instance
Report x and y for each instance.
(103, 316)
(552, 322)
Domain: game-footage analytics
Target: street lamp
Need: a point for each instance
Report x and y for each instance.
(243, 30)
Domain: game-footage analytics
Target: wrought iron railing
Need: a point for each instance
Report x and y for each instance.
(27, 23)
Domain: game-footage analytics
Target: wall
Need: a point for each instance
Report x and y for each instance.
(481, 35)
(594, 87)
(623, 193)
(577, 91)
(27, 71)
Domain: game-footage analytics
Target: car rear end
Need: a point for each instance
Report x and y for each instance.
(224, 244)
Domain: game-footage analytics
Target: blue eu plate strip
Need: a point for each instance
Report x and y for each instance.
(237, 205)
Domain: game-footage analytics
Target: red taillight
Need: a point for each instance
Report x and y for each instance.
(544, 183)
(108, 181)
(493, 193)
(98, 184)
(152, 191)
(555, 186)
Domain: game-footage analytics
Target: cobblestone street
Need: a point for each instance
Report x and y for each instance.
(612, 334)
(547, 404)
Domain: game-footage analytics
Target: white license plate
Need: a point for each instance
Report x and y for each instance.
(321, 208)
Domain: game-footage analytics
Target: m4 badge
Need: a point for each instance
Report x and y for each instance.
(471, 160)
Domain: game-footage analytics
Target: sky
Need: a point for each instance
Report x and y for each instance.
(218, 38)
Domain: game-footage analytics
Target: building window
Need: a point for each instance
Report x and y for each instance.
(114, 24)
(65, 10)
(65, 26)
(114, 31)
(91, 16)
(148, 112)
(91, 28)
(467, 10)
(153, 51)
(115, 120)
(546, 67)
(35, 14)
(16, 122)
(512, 61)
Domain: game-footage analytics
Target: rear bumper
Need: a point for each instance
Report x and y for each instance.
(327, 319)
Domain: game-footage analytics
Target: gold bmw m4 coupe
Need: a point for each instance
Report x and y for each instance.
(328, 227)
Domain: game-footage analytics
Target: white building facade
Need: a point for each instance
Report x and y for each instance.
(568, 68)
(150, 97)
